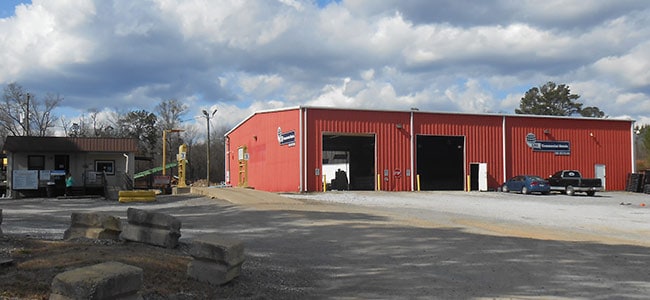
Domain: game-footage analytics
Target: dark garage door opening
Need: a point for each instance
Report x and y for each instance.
(440, 162)
(361, 155)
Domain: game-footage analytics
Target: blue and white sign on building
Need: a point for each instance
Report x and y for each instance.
(286, 138)
(558, 147)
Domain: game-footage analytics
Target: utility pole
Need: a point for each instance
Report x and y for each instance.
(26, 122)
(207, 118)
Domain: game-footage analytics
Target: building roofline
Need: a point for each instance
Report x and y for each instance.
(43, 144)
(415, 110)
(261, 112)
(471, 114)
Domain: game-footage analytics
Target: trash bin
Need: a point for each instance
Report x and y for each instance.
(51, 189)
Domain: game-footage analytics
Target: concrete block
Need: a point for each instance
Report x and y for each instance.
(93, 225)
(150, 235)
(218, 248)
(97, 220)
(109, 280)
(181, 190)
(91, 233)
(211, 272)
(152, 219)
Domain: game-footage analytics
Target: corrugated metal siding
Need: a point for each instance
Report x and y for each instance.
(277, 168)
(483, 138)
(610, 145)
(271, 166)
(391, 143)
(69, 144)
(107, 144)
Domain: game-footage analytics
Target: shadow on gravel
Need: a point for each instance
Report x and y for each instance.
(293, 254)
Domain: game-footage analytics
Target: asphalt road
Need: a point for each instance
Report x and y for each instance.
(459, 246)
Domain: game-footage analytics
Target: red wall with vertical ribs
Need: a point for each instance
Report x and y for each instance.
(271, 166)
(593, 141)
(275, 167)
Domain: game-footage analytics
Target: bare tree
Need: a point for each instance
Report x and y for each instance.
(42, 116)
(22, 113)
(66, 124)
(80, 128)
(170, 113)
(14, 110)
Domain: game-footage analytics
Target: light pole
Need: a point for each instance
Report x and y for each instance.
(207, 118)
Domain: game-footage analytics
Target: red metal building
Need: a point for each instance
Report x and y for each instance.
(307, 149)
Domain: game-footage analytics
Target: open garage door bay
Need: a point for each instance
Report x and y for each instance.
(354, 153)
(440, 162)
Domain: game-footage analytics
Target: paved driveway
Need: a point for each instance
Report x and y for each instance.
(321, 249)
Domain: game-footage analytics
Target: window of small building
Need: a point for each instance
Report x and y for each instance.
(36, 162)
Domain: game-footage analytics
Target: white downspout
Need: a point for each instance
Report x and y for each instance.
(126, 167)
(304, 152)
(412, 154)
(632, 140)
(505, 162)
(300, 146)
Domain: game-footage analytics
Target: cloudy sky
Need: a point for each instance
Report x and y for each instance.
(243, 56)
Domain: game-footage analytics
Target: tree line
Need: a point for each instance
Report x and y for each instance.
(557, 100)
(26, 114)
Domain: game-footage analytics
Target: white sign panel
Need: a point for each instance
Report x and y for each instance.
(24, 180)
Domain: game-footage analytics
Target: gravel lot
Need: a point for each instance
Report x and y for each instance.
(380, 245)
(611, 217)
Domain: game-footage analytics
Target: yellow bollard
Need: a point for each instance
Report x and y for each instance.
(324, 183)
(469, 186)
(418, 181)
(378, 182)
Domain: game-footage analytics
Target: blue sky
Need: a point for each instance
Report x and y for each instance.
(7, 7)
(471, 56)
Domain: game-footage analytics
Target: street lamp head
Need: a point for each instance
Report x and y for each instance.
(208, 115)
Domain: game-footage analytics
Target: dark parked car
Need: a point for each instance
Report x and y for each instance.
(571, 181)
(527, 184)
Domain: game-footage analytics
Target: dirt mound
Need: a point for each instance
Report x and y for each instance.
(36, 262)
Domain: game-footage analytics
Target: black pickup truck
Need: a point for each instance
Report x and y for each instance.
(571, 181)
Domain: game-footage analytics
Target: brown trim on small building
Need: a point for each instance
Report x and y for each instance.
(69, 144)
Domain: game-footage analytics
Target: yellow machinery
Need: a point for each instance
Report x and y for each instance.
(136, 196)
(182, 162)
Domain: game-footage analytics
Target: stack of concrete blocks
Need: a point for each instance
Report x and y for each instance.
(156, 229)
(215, 259)
(109, 280)
(94, 226)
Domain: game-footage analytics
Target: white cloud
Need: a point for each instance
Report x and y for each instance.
(471, 98)
(261, 86)
(43, 36)
(389, 54)
(632, 68)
